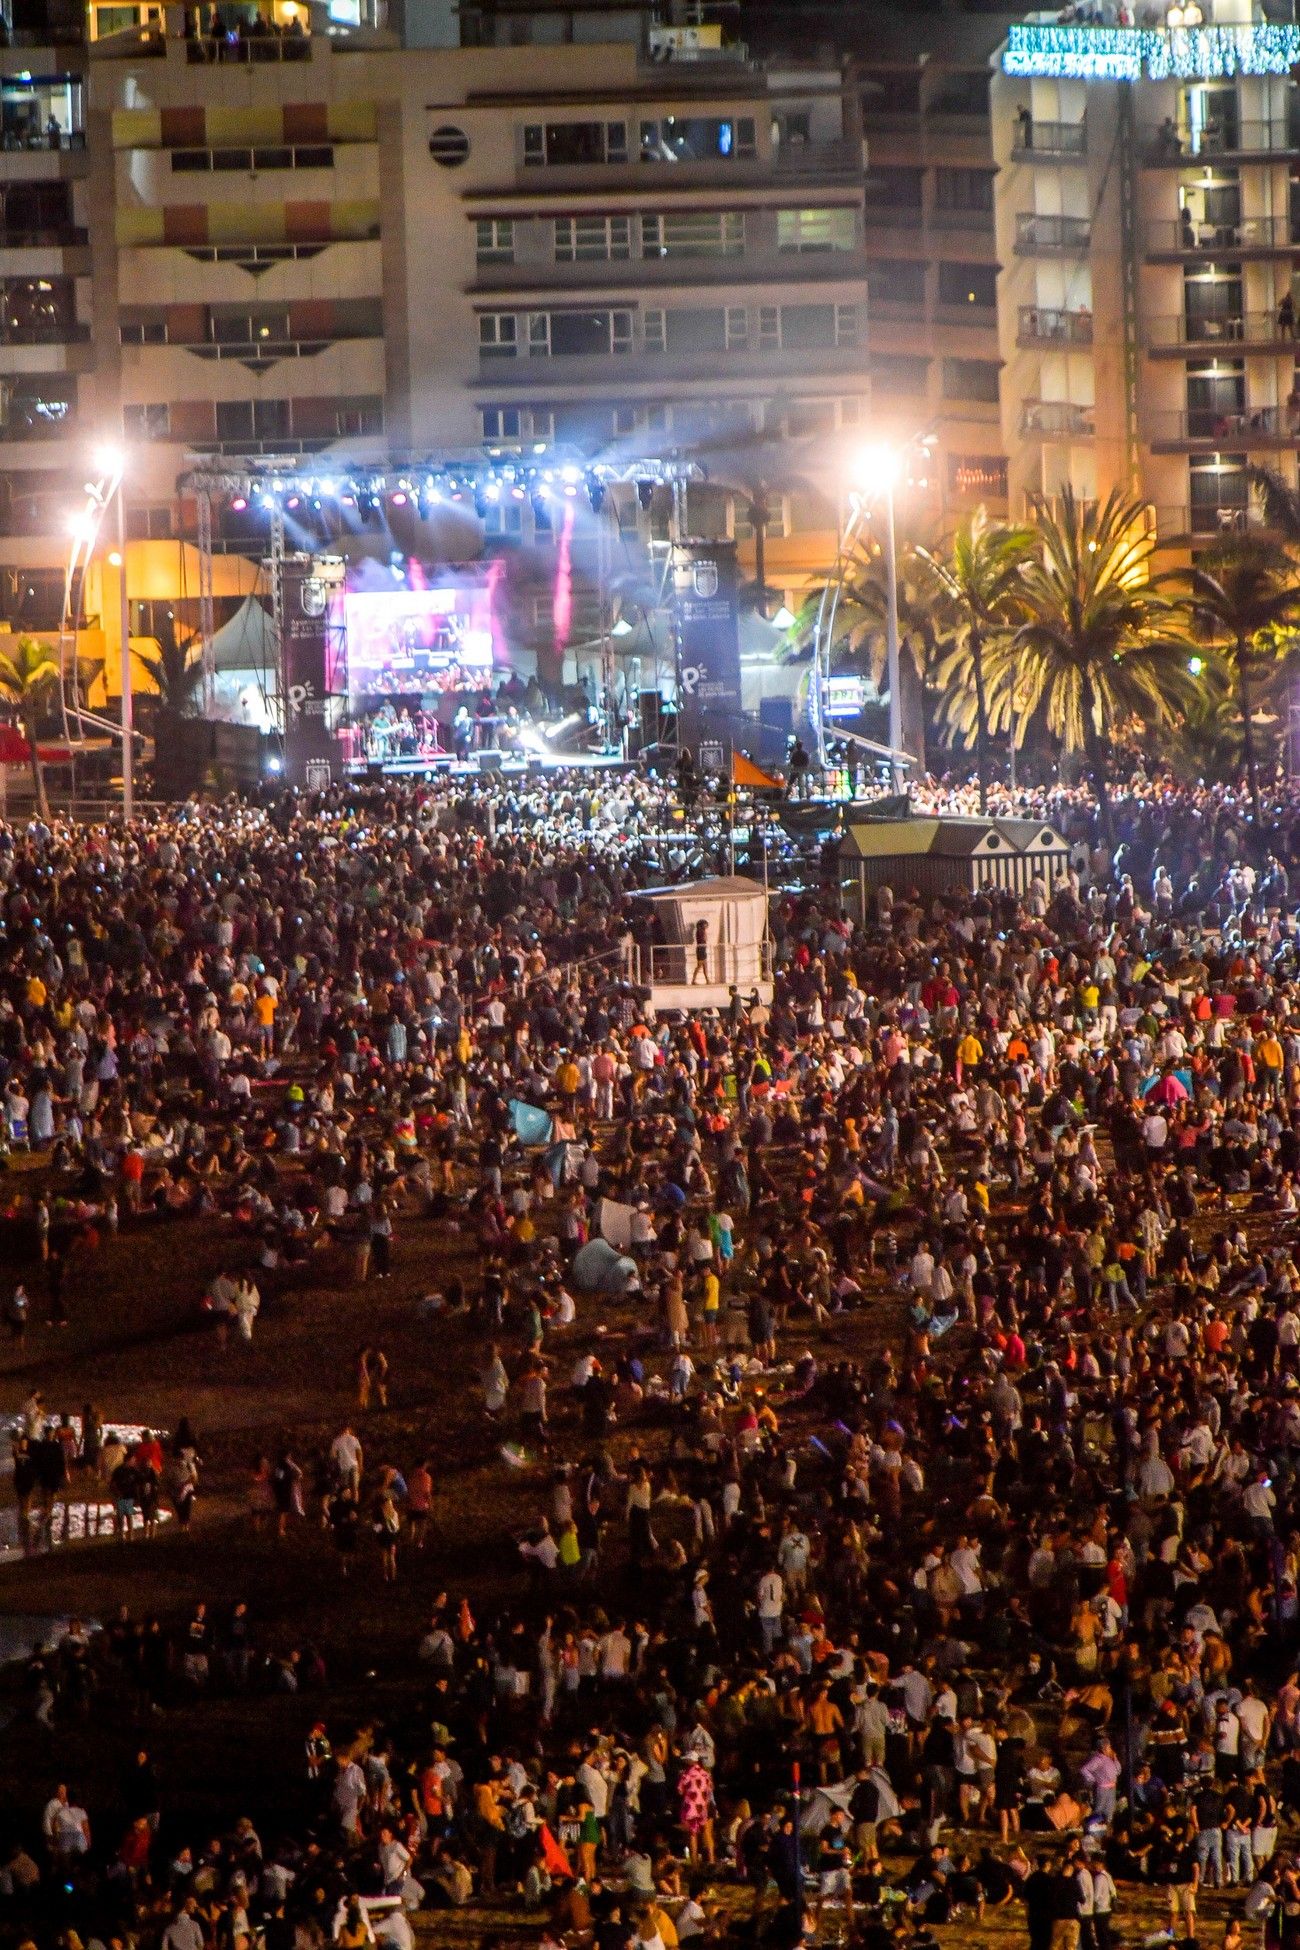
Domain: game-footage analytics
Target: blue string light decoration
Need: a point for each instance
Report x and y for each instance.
(1078, 53)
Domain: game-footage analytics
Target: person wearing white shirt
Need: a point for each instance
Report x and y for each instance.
(771, 1607)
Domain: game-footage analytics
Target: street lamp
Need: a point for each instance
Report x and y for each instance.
(879, 471)
(111, 463)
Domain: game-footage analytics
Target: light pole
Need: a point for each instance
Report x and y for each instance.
(878, 472)
(111, 464)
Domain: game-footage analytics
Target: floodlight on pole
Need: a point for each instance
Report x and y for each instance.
(879, 470)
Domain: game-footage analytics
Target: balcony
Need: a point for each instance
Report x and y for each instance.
(1039, 236)
(1050, 142)
(1173, 335)
(1239, 428)
(1041, 325)
(1170, 147)
(637, 367)
(891, 215)
(975, 222)
(1208, 522)
(834, 156)
(1056, 419)
(1186, 236)
(243, 49)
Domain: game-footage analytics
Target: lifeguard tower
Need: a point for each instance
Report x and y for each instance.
(736, 951)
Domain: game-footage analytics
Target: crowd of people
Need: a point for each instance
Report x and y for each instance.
(903, 1520)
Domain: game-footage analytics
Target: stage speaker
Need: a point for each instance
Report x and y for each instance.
(374, 768)
(649, 714)
(489, 761)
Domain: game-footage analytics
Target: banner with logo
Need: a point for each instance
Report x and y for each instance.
(705, 586)
(309, 742)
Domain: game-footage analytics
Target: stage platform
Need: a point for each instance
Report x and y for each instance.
(479, 764)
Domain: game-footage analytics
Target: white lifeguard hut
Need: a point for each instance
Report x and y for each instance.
(681, 972)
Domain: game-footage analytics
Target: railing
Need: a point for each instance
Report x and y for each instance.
(1170, 145)
(1049, 141)
(62, 236)
(37, 429)
(55, 334)
(1252, 328)
(42, 139)
(835, 156)
(722, 962)
(1056, 419)
(1188, 233)
(1206, 522)
(1045, 325)
(270, 46)
(1040, 233)
(893, 213)
(944, 217)
(1236, 427)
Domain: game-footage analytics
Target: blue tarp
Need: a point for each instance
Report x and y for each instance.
(532, 1126)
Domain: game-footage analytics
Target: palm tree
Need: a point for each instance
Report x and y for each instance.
(979, 577)
(28, 674)
(175, 670)
(1242, 599)
(1098, 644)
(924, 628)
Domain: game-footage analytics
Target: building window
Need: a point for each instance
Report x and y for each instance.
(578, 334)
(314, 156)
(807, 231)
(846, 324)
(737, 327)
(498, 335)
(977, 474)
(495, 240)
(973, 379)
(151, 422)
(896, 281)
(570, 145)
(622, 419)
(693, 233)
(769, 327)
(973, 286)
(592, 240)
(963, 189)
(807, 418)
(894, 374)
(653, 329)
(896, 191)
(698, 138)
(499, 422)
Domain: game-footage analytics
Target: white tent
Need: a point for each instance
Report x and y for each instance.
(247, 676)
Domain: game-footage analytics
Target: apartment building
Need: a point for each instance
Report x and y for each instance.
(932, 247)
(1148, 215)
(304, 232)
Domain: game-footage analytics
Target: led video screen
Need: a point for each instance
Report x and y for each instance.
(417, 640)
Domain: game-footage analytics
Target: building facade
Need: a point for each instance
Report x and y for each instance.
(291, 234)
(1148, 218)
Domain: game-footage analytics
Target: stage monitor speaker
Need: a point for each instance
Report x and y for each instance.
(488, 761)
(374, 768)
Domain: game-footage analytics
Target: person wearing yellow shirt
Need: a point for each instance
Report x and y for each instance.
(1270, 1060)
(970, 1053)
(264, 1007)
(36, 992)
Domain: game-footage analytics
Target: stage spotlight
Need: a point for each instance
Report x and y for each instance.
(517, 493)
(268, 501)
(645, 493)
(294, 501)
(400, 499)
(571, 475)
(492, 492)
(348, 501)
(317, 503)
(238, 503)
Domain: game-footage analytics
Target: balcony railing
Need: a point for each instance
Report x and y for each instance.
(1175, 332)
(270, 46)
(1236, 138)
(1049, 141)
(834, 156)
(1053, 235)
(1236, 427)
(674, 966)
(51, 334)
(1056, 419)
(1206, 521)
(944, 217)
(56, 236)
(1190, 234)
(1046, 325)
(46, 138)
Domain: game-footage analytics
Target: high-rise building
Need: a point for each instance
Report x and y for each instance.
(280, 229)
(1148, 218)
